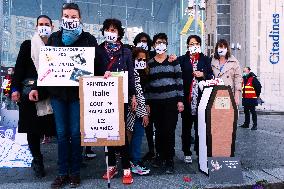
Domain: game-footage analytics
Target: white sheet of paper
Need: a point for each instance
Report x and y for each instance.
(62, 66)
(101, 111)
(124, 74)
(202, 129)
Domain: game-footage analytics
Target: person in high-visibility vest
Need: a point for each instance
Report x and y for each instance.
(251, 90)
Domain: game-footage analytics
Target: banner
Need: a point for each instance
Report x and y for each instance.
(102, 111)
(62, 66)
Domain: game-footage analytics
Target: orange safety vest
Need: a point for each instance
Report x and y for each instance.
(248, 90)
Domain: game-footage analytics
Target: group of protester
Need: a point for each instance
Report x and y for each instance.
(167, 86)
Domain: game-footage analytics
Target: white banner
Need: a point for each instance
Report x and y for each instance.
(62, 66)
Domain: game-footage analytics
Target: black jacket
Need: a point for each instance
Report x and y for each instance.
(124, 63)
(85, 40)
(29, 122)
(204, 65)
(257, 87)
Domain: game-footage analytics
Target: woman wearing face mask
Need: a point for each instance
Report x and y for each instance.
(138, 120)
(34, 118)
(227, 67)
(164, 91)
(112, 56)
(65, 100)
(195, 67)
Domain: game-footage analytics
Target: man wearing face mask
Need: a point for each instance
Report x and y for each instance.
(35, 119)
(227, 67)
(164, 93)
(251, 92)
(195, 67)
(65, 100)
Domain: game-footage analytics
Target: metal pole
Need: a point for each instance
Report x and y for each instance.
(196, 18)
(108, 179)
(1, 35)
(40, 7)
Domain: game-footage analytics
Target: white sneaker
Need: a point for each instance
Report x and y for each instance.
(187, 159)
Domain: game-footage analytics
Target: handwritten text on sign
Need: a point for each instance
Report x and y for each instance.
(63, 66)
(101, 110)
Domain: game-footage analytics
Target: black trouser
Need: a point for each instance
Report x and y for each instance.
(34, 144)
(165, 116)
(149, 130)
(251, 109)
(123, 150)
(187, 121)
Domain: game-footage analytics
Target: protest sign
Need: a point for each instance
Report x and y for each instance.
(62, 66)
(102, 111)
(123, 74)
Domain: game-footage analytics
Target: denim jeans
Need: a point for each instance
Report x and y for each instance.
(67, 119)
(136, 142)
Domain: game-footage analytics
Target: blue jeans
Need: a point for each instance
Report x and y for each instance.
(67, 119)
(136, 141)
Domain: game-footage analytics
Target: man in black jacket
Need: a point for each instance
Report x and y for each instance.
(251, 92)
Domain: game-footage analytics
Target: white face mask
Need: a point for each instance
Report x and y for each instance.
(44, 31)
(110, 37)
(142, 45)
(161, 48)
(70, 23)
(222, 52)
(139, 65)
(194, 49)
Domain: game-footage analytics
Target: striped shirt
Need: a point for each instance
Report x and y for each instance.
(165, 81)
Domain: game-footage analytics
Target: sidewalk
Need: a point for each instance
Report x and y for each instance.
(261, 153)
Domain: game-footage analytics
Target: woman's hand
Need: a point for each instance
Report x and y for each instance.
(16, 96)
(145, 121)
(180, 107)
(33, 96)
(148, 109)
(237, 98)
(198, 74)
(133, 103)
(107, 74)
(172, 58)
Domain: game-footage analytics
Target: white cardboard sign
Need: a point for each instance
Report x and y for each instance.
(63, 66)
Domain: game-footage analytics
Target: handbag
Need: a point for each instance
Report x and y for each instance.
(28, 85)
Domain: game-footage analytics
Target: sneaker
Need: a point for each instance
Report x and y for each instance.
(169, 167)
(59, 182)
(75, 181)
(127, 177)
(139, 169)
(244, 126)
(187, 159)
(149, 156)
(112, 172)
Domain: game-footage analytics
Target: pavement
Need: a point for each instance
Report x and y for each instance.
(261, 153)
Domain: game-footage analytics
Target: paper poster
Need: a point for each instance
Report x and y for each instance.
(124, 74)
(63, 66)
(14, 151)
(102, 114)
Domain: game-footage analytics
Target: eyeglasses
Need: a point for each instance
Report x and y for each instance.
(140, 59)
(70, 5)
(193, 44)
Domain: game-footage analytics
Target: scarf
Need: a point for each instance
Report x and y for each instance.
(112, 47)
(43, 107)
(193, 89)
(70, 36)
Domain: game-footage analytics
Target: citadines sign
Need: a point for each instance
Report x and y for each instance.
(274, 35)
